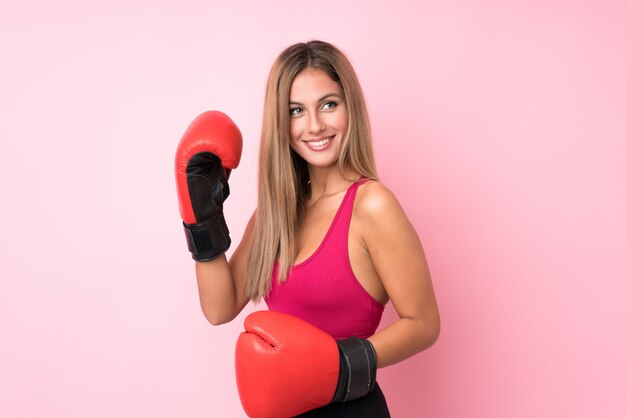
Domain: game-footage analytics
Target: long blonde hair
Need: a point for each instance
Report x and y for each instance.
(283, 175)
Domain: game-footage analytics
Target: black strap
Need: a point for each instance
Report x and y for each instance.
(357, 369)
(209, 239)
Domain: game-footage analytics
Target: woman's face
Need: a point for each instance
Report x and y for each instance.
(318, 117)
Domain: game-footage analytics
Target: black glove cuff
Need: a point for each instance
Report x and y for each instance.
(357, 369)
(209, 239)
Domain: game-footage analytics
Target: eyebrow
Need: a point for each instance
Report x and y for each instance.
(321, 99)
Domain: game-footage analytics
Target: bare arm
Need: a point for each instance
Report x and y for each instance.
(221, 283)
(399, 260)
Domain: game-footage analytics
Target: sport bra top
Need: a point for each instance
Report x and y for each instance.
(323, 289)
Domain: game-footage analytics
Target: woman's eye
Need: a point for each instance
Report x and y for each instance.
(329, 105)
(294, 111)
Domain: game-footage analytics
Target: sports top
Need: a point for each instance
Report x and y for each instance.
(323, 289)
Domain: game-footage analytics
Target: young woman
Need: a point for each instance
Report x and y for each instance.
(328, 242)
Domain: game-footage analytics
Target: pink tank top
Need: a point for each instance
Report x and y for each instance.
(323, 289)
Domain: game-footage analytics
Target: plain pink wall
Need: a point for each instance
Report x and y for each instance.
(500, 126)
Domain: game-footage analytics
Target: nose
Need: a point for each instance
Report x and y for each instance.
(316, 123)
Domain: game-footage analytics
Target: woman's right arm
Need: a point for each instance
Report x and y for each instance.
(221, 282)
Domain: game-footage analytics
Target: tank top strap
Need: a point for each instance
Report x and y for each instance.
(336, 239)
(343, 218)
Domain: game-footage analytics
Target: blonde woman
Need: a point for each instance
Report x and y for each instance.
(328, 245)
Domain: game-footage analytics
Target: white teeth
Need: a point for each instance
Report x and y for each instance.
(319, 143)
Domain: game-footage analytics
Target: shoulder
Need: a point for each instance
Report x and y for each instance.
(375, 202)
(383, 226)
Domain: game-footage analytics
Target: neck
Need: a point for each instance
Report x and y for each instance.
(328, 180)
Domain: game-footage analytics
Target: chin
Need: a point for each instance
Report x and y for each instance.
(323, 159)
(321, 162)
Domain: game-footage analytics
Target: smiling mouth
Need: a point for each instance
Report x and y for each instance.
(319, 143)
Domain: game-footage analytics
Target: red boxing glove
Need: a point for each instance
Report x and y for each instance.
(209, 149)
(285, 366)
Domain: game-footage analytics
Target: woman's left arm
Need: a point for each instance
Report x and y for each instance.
(398, 257)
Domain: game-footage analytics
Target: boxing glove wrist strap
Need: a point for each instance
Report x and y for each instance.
(209, 239)
(357, 369)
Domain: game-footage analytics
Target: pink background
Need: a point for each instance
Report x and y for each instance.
(500, 126)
